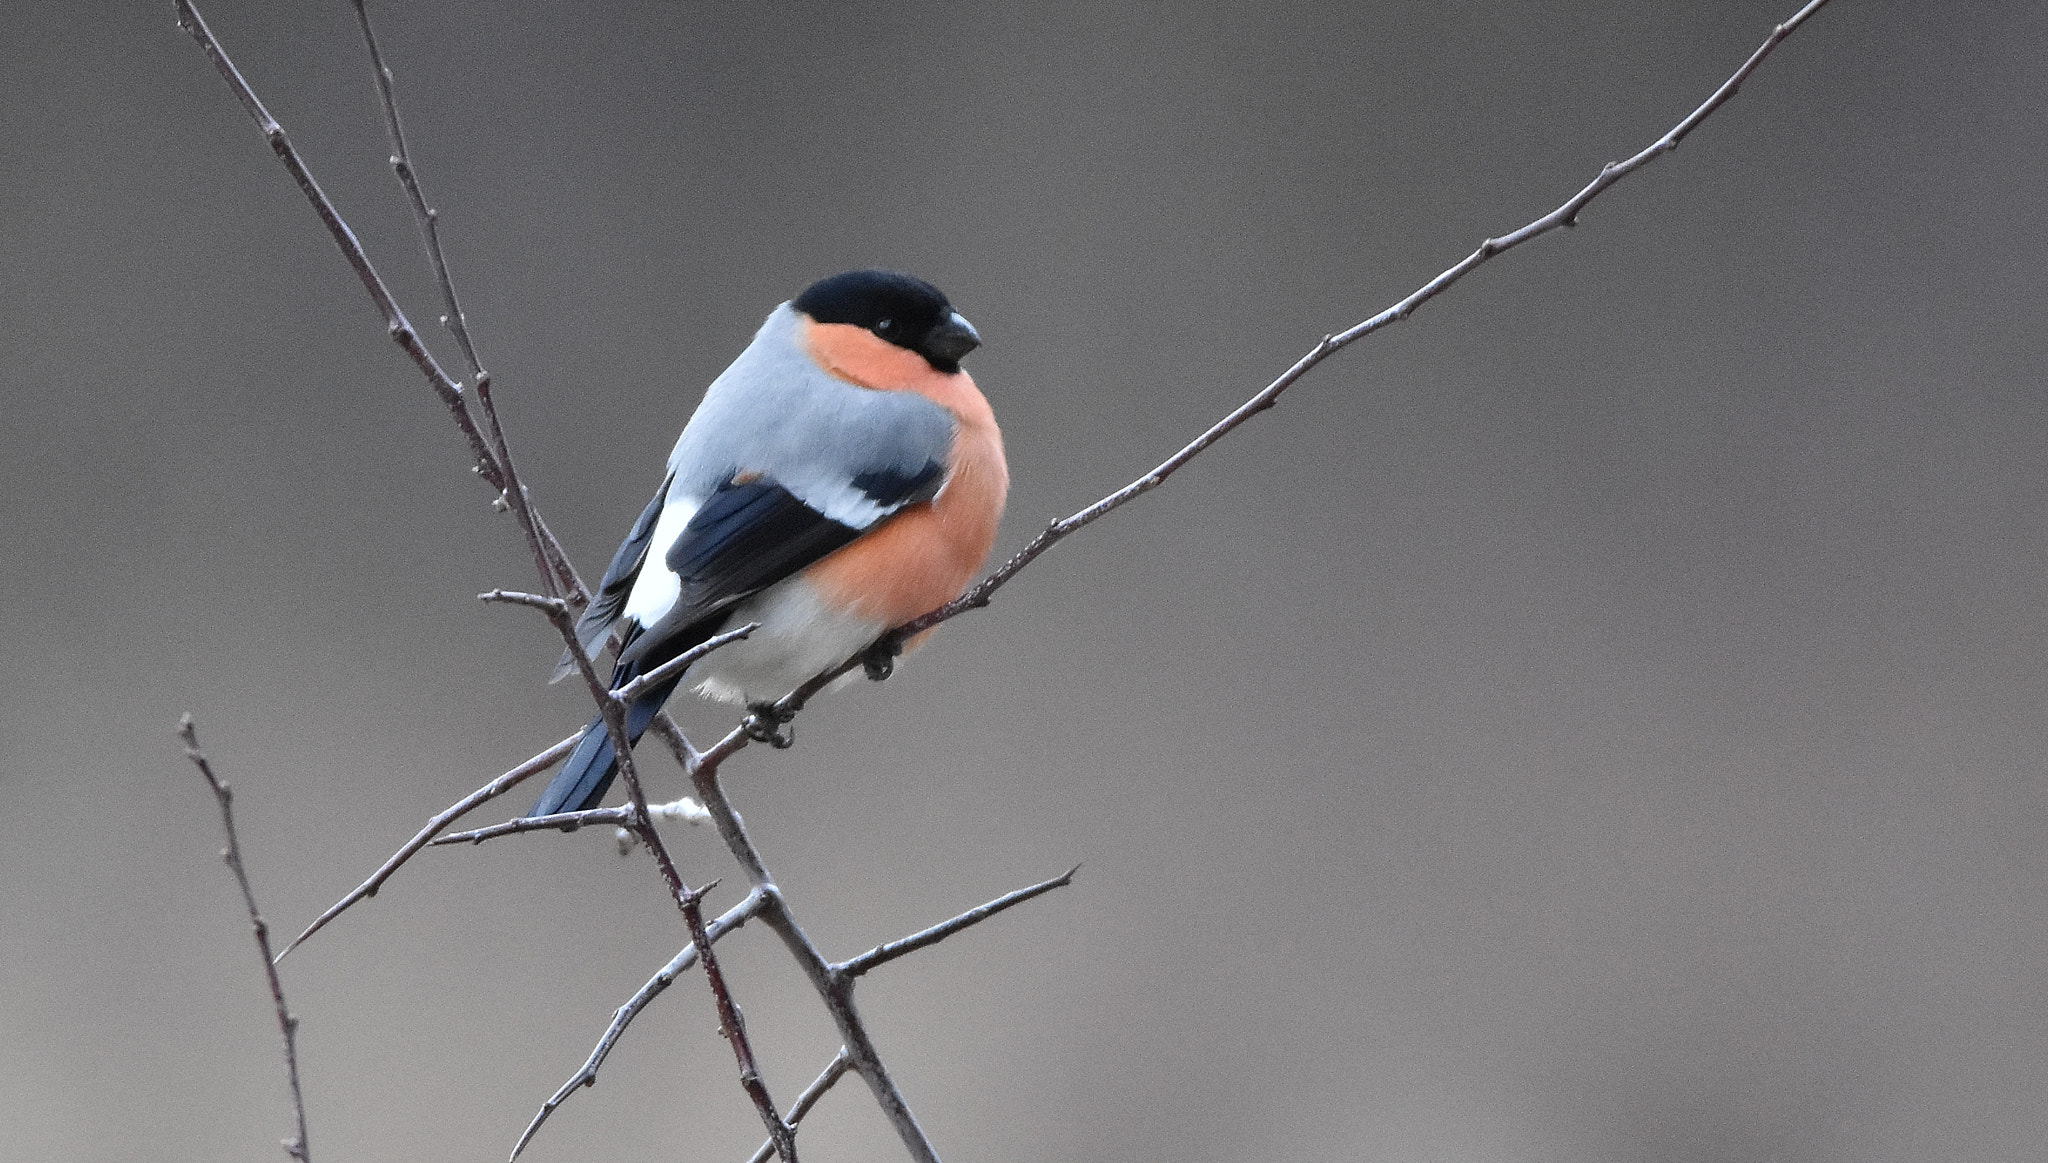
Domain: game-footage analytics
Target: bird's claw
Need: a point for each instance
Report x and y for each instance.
(879, 660)
(764, 724)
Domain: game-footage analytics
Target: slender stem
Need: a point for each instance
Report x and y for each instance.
(881, 955)
(731, 919)
(626, 816)
(494, 464)
(733, 1025)
(401, 329)
(681, 662)
(429, 218)
(1565, 215)
(833, 990)
(612, 710)
(297, 1147)
(834, 1071)
(447, 816)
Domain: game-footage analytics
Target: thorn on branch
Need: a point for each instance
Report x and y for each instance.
(516, 598)
(695, 896)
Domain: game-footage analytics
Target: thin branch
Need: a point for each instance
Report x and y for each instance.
(572, 582)
(1565, 215)
(625, 816)
(401, 329)
(612, 710)
(731, 919)
(681, 662)
(545, 604)
(883, 954)
(449, 815)
(498, 471)
(553, 566)
(733, 1025)
(297, 1147)
(428, 217)
(834, 991)
(834, 1071)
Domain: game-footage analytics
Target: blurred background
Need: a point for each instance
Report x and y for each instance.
(1601, 719)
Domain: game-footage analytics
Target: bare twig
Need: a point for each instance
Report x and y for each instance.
(681, 662)
(497, 469)
(428, 217)
(1565, 215)
(732, 1024)
(883, 954)
(553, 566)
(835, 992)
(447, 816)
(834, 1071)
(625, 816)
(297, 1146)
(612, 710)
(731, 919)
(401, 329)
(543, 603)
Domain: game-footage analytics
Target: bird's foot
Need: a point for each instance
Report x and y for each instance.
(764, 724)
(879, 660)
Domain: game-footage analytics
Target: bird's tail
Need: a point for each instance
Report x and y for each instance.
(587, 774)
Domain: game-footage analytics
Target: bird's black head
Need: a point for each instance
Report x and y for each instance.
(906, 311)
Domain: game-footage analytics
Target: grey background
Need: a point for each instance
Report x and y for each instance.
(1601, 719)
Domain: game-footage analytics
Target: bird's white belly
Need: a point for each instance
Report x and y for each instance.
(800, 636)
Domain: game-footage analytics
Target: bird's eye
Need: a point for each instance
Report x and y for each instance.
(885, 325)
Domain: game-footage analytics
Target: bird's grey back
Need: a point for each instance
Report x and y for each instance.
(775, 412)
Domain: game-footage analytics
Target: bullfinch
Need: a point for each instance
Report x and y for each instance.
(842, 477)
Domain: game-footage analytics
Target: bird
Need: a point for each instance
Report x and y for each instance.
(842, 476)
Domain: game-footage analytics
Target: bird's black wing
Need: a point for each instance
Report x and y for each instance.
(746, 537)
(617, 582)
(753, 531)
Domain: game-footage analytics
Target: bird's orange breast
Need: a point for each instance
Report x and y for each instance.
(921, 558)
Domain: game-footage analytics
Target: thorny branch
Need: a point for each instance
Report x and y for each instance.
(1567, 214)
(400, 327)
(494, 464)
(832, 982)
(881, 955)
(550, 562)
(834, 1071)
(449, 815)
(731, 919)
(297, 1146)
(844, 971)
(732, 1024)
(612, 709)
(625, 817)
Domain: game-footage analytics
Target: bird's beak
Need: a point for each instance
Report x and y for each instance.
(952, 338)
